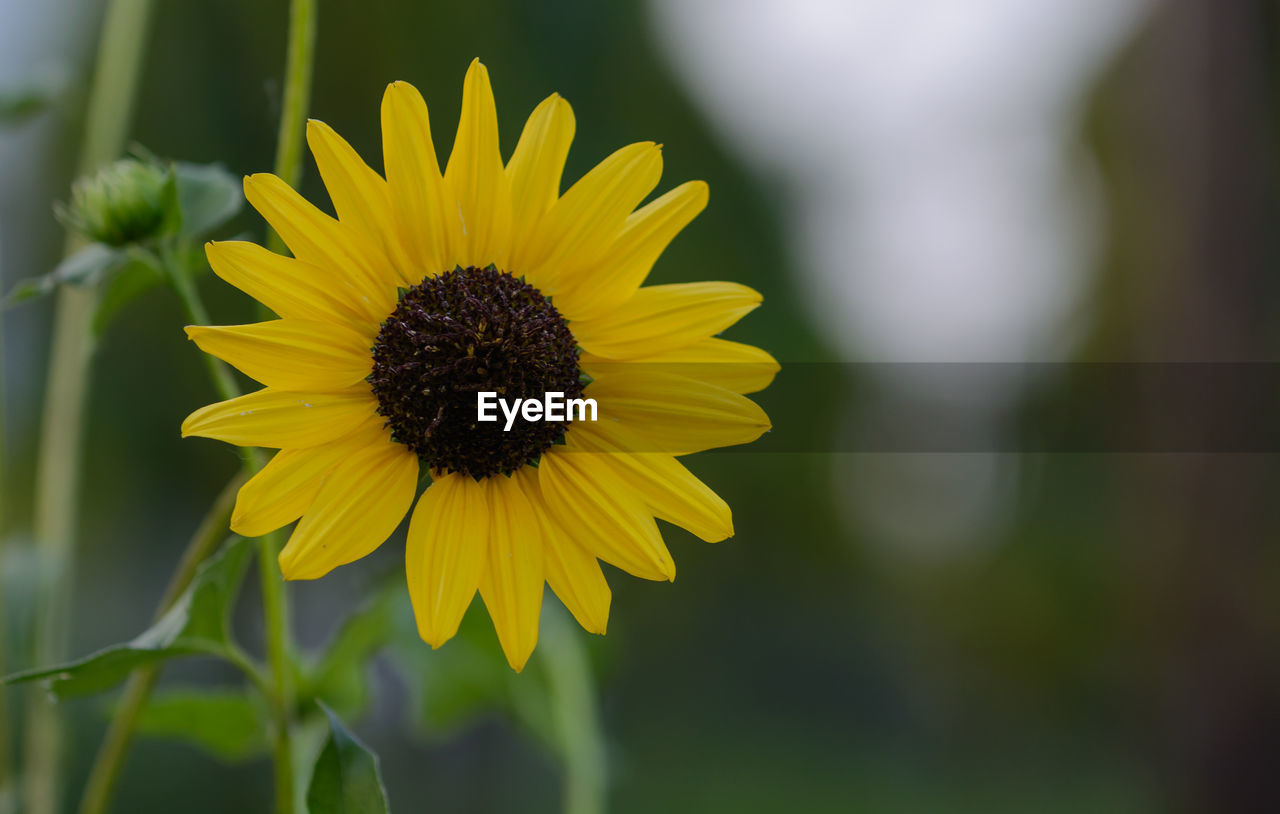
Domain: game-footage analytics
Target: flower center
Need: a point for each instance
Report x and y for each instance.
(460, 333)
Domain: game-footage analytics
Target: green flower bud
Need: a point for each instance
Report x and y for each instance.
(123, 203)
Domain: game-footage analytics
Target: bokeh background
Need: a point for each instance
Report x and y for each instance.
(990, 629)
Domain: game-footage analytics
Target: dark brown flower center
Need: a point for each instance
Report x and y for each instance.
(456, 335)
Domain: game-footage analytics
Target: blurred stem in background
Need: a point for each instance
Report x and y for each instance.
(573, 699)
(111, 101)
(110, 759)
(299, 62)
(8, 803)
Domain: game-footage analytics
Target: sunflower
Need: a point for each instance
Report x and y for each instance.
(428, 288)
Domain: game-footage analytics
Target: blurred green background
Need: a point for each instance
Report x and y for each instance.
(1099, 634)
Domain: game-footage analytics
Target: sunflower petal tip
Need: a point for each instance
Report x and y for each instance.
(518, 664)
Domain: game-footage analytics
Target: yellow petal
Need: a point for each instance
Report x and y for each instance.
(627, 263)
(479, 211)
(664, 317)
(359, 194)
(287, 486)
(671, 491)
(731, 365)
(277, 418)
(446, 552)
(511, 585)
(673, 414)
(571, 571)
(610, 523)
(290, 287)
(413, 176)
(536, 166)
(318, 239)
(583, 223)
(290, 354)
(363, 499)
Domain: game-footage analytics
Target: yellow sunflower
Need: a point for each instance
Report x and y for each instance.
(429, 288)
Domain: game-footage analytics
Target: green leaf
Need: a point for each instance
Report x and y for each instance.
(227, 723)
(339, 677)
(346, 778)
(85, 267)
(40, 92)
(208, 196)
(197, 624)
(138, 276)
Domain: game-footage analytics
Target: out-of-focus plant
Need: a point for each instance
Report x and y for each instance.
(137, 224)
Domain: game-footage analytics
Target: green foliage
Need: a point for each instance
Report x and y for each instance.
(469, 678)
(346, 778)
(339, 676)
(197, 624)
(28, 100)
(136, 277)
(208, 197)
(229, 724)
(133, 254)
(87, 267)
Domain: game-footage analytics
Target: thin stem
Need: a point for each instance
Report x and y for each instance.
(299, 65)
(275, 612)
(8, 801)
(251, 670)
(111, 102)
(115, 746)
(574, 710)
(193, 307)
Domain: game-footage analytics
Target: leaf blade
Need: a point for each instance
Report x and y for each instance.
(347, 778)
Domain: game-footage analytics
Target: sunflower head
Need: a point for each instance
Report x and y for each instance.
(464, 332)
(431, 287)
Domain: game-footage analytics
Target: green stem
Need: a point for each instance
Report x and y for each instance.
(224, 382)
(8, 803)
(115, 746)
(299, 66)
(574, 709)
(111, 101)
(275, 612)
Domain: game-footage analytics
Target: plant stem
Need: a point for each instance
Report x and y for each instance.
(299, 65)
(115, 746)
(193, 307)
(111, 102)
(8, 803)
(574, 710)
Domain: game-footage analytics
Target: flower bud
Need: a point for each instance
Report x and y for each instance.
(122, 203)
